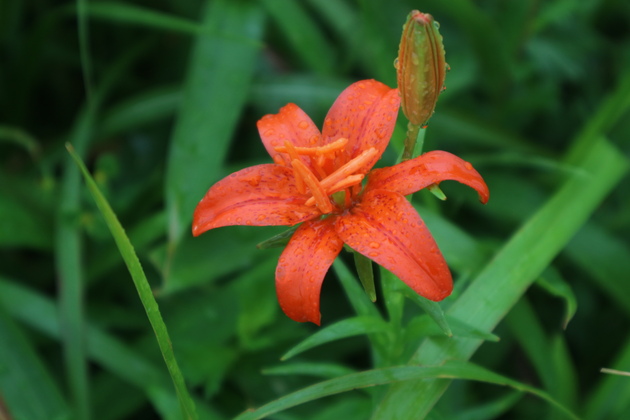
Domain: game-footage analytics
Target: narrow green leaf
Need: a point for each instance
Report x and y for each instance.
(140, 16)
(217, 85)
(359, 301)
(304, 35)
(608, 263)
(342, 329)
(553, 283)
(491, 410)
(40, 313)
(84, 48)
(452, 370)
(527, 329)
(144, 289)
(433, 309)
(69, 266)
(614, 107)
(147, 107)
(279, 240)
(425, 326)
(521, 261)
(610, 398)
(20, 137)
(366, 275)
(322, 370)
(26, 387)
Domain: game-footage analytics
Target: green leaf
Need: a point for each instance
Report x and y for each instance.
(18, 136)
(491, 410)
(611, 396)
(553, 283)
(452, 369)
(217, 85)
(303, 34)
(425, 326)
(40, 313)
(21, 223)
(27, 389)
(342, 329)
(521, 260)
(154, 105)
(140, 16)
(608, 263)
(144, 289)
(366, 275)
(433, 309)
(322, 370)
(358, 299)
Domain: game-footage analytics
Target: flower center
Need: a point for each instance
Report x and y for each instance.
(324, 177)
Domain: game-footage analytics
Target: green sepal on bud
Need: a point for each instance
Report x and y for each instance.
(420, 66)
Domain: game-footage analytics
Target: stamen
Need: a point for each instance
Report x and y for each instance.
(299, 180)
(289, 148)
(320, 198)
(314, 151)
(341, 185)
(352, 166)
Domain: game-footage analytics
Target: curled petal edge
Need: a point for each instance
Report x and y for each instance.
(430, 168)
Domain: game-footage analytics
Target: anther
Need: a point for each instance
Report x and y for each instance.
(349, 168)
(320, 198)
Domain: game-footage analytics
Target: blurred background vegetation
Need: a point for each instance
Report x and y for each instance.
(161, 100)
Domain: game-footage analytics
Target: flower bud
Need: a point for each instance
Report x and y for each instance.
(421, 67)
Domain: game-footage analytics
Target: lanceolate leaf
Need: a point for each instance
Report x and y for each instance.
(218, 81)
(521, 261)
(453, 370)
(144, 290)
(342, 329)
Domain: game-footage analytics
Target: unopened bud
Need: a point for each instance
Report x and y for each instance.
(420, 66)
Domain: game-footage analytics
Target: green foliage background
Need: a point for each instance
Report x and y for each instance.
(161, 98)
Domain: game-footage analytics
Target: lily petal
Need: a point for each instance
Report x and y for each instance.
(430, 168)
(262, 195)
(387, 229)
(303, 266)
(365, 113)
(290, 124)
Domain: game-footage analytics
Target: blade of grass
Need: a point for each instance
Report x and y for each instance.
(499, 286)
(216, 89)
(68, 243)
(144, 289)
(70, 270)
(453, 369)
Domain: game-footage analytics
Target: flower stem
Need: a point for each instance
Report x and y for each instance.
(415, 138)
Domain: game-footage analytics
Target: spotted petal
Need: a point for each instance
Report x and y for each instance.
(302, 268)
(430, 168)
(290, 124)
(365, 113)
(387, 229)
(262, 195)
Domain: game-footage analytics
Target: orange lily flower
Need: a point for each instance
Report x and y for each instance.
(317, 180)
